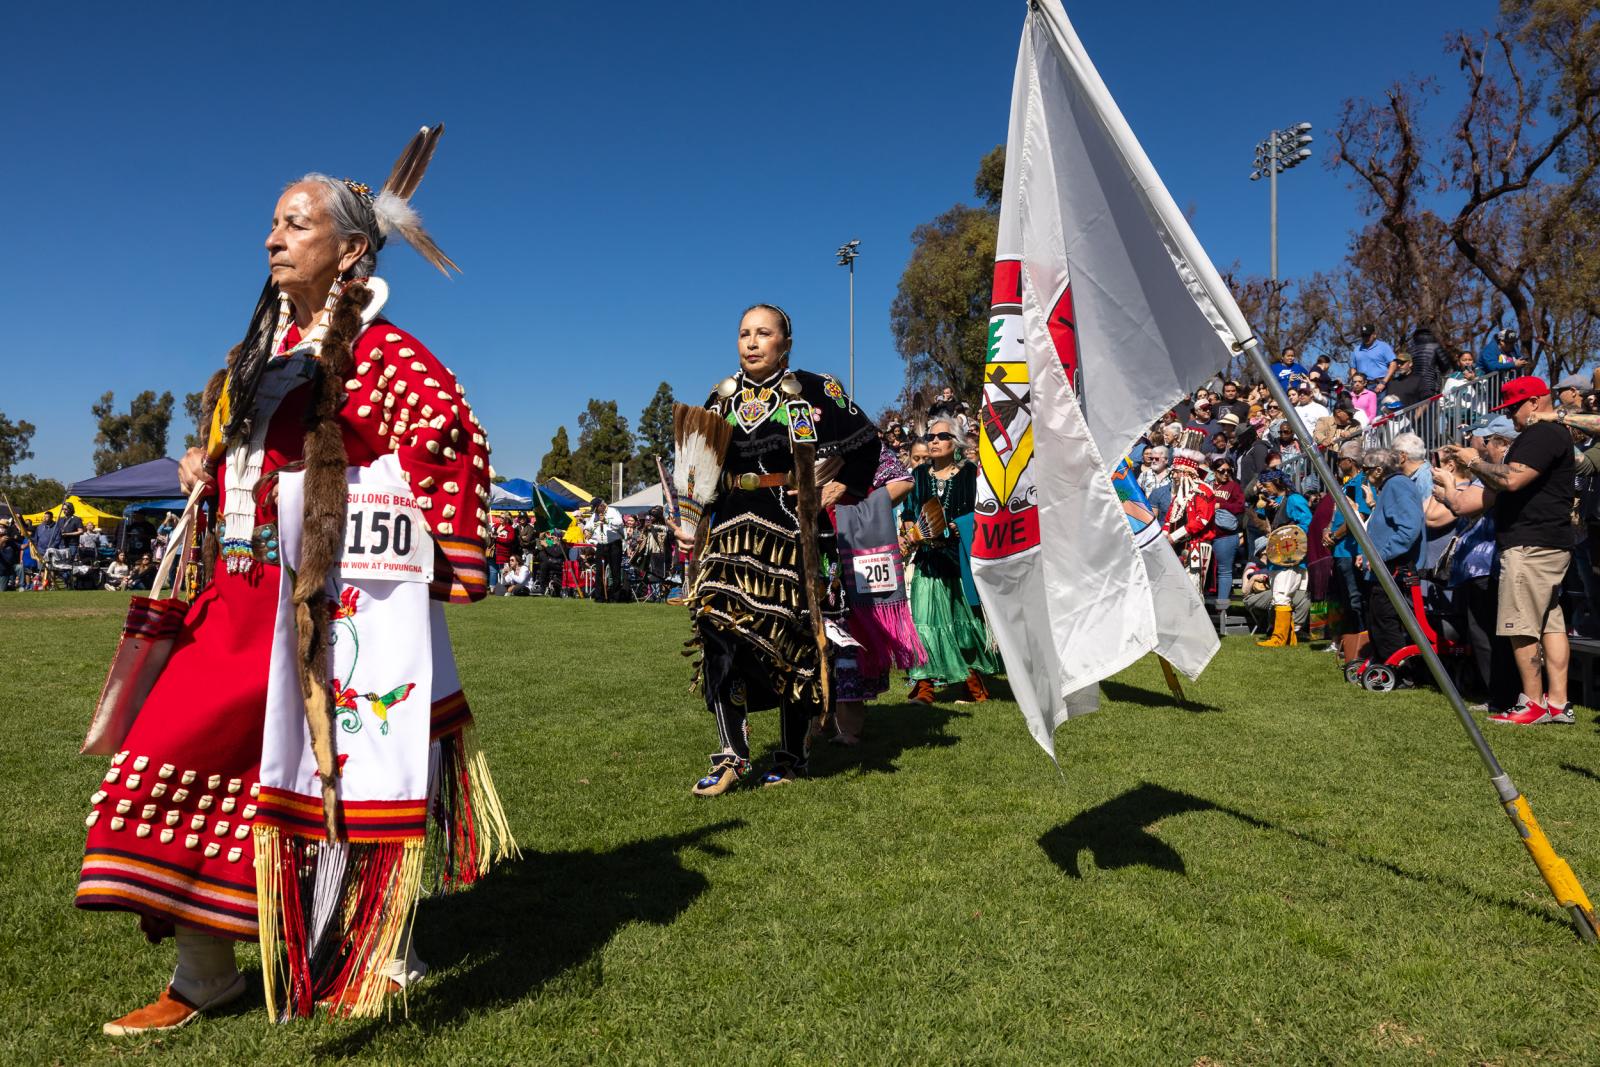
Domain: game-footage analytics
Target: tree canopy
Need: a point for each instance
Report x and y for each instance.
(557, 462)
(940, 314)
(15, 439)
(136, 436)
(655, 432)
(603, 439)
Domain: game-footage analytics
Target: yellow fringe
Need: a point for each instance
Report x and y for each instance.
(269, 909)
(383, 943)
(493, 828)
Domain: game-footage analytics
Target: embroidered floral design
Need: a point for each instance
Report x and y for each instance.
(347, 604)
(344, 705)
(834, 390)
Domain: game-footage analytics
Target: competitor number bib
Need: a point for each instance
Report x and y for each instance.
(385, 536)
(874, 573)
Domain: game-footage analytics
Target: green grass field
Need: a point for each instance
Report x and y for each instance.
(1286, 870)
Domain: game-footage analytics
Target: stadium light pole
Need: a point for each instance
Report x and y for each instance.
(1281, 151)
(847, 258)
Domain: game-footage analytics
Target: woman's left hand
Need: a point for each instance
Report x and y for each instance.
(830, 494)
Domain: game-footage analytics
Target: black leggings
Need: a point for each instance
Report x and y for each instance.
(726, 666)
(1384, 628)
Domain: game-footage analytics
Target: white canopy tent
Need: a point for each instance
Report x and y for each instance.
(642, 501)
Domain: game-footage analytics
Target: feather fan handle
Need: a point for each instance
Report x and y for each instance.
(701, 441)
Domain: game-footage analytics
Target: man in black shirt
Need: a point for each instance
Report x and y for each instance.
(1533, 492)
(1406, 384)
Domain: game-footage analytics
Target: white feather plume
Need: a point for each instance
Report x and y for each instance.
(394, 213)
(701, 439)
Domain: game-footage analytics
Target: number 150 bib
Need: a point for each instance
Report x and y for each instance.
(385, 536)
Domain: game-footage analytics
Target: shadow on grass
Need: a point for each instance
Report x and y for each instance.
(1123, 693)
(891, 731)
(536, 918)
(1118, 833)
(1581, 772)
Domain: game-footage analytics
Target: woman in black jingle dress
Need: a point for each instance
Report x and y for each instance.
(750, 611)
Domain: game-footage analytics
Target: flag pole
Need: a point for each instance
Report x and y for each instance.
(1557, 874)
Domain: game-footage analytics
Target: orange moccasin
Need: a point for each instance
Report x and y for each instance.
(170, 1011)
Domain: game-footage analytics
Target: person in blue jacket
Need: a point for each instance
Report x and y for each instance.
(1395, 527)
(1502, 353)
(1289, 371)
(1339, 538)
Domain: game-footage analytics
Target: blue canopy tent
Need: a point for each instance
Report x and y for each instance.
(142, 481)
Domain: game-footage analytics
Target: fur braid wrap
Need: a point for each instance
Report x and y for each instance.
(326, 493)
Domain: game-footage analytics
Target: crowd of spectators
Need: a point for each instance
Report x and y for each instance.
(1487, 529)
(607, 557)
(62, 551)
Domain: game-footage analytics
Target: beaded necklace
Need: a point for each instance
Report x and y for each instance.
(941, 485)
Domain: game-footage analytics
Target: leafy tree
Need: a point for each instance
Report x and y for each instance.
(192, 408)
(15, 437)
(655, 432)
(138, 436)
(557, 463)
(940, 315)
(603, 439)
(29, 493)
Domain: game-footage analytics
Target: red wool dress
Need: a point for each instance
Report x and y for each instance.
(170, 826)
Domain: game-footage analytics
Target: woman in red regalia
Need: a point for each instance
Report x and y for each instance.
(323, 383)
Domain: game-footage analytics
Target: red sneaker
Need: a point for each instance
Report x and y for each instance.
(1529, 713)
(1563, 714)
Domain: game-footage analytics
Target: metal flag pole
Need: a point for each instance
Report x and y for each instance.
(1557, 874)
(1183, 244)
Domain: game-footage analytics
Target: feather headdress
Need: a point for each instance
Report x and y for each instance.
(392, 206)
(701, 438)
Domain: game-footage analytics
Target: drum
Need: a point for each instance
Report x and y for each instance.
(1286, 546)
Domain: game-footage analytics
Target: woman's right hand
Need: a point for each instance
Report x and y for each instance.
(192, 469)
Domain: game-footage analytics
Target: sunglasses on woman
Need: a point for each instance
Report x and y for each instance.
(941, 436)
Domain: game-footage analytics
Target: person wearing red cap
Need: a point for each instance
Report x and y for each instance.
(1532, 492)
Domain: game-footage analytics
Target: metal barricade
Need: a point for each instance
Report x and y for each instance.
(1439, 420)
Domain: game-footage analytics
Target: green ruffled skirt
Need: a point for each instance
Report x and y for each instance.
(955, 637)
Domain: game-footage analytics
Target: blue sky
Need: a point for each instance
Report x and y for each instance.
(617, 181)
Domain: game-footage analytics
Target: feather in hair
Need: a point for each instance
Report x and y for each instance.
(392, 207)
(413, 163)
(397, 216)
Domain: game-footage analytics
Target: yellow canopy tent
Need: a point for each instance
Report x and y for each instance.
(87, 512)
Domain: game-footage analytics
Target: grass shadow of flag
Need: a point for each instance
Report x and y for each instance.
(1118, 831)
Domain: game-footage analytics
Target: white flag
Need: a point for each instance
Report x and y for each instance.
(1101, 287)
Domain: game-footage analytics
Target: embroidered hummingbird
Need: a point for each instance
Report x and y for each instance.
(382, 704)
